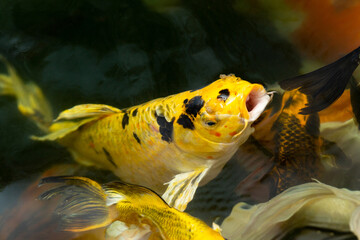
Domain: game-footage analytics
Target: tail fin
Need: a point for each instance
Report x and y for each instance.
(30, 99)
(85, 204)
(326, 84)
(82, 203)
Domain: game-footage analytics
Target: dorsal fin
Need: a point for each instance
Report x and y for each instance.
(71, 119)
(87, 110)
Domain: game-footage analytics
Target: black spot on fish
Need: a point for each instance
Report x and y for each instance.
(137, 138)
(186, 122)
(224, 94)
(166, 128)
(125, 120)
(134, 112)
(288, 102)
(275, 104)
(185, 101)
(312, 125)
(109, 157)
(194, 105)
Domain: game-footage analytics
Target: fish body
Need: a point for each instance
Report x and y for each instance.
(181, 140)
(193, 133)
(297, 144)
(81, 198)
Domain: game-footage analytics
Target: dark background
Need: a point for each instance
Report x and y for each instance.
(122, 53)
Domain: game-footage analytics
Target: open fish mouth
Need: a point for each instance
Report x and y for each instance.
(256, 102)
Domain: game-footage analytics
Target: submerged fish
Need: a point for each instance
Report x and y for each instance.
(86, 205)
(292, 143)
(289, 130)
(181, 140)
(311, 204)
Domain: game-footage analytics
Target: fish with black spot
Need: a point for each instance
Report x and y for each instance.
(297, 130)
(171, 145)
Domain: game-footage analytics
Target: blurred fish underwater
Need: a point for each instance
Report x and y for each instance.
(124, 53)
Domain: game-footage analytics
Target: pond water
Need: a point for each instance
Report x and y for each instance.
(126, 52)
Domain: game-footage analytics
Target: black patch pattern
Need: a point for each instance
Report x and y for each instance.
(166, 128)
(194, 105)
(137, 138)
(109, 157)
(223, 94)
(186, 122)
(185, 101)
(125, 120)
(192, 108)
(134, 112)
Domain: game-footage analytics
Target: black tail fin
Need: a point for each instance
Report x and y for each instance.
(325, 85)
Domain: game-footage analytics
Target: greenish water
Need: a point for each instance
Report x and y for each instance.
(123, 53)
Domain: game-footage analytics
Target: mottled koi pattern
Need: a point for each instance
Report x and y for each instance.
(181, 140)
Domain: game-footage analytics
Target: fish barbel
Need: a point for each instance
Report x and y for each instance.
(179, 140)
(85, 205)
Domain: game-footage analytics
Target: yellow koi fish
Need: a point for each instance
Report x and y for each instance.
(180, 140)
(86, 205)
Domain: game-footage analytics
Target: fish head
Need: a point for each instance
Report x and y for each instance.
(222, 111)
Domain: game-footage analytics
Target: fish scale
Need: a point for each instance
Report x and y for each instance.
(297, 158)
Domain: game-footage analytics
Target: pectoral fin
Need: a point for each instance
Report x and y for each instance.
(71, 119)
(182, 188)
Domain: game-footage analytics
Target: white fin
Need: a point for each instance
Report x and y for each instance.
(182, 188)
(311, 204)
(120, 231)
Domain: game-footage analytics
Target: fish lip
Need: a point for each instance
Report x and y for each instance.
(256, 102)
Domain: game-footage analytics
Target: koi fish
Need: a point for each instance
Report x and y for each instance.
(292, 142)
(289, 130)
(86, 205)
(306, 205)
(181, 140)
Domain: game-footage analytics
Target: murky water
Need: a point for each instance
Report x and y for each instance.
(123, 53)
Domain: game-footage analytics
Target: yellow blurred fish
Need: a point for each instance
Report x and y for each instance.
(180, 140)
(86, 205)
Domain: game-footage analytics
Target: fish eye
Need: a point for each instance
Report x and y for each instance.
(211, 123)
